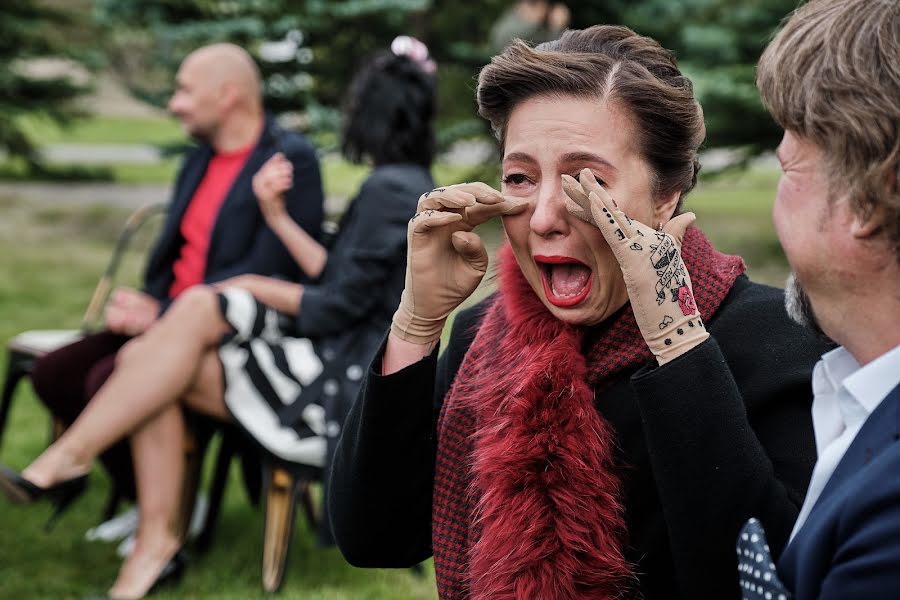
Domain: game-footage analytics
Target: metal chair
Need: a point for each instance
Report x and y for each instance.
(25, 348)
(283, 486)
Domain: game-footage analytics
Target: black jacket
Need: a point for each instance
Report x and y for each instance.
(240, 242)
(720, 434)
(347, 311)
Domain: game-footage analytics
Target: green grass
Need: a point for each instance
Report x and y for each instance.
(104, 130)
(50, 258)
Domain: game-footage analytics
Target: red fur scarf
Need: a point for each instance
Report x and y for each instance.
(526, 498)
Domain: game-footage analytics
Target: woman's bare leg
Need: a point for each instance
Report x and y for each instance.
(153, 371)
(158, 450)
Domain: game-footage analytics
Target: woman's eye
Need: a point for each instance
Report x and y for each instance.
(515, 179)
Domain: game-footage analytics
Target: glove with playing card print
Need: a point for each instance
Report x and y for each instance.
(658, 283)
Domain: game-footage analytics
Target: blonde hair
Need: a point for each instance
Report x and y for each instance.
(832, 76)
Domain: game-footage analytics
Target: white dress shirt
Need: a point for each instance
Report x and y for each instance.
(844, 395)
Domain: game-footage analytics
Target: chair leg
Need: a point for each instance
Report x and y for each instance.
(216, 493)
(309, 509)
(14, 374)
(193, 467)
(281, 496)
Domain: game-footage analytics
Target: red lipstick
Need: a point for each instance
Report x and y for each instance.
(544, 263)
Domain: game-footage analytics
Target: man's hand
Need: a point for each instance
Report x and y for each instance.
(130, 312)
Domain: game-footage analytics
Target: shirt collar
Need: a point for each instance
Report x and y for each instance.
(831, 371)
(872, 383)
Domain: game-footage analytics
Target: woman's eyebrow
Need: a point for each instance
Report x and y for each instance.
(570, 157)
(518, 156)
(582, 157)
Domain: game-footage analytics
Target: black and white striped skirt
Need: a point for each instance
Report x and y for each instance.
(266, 372)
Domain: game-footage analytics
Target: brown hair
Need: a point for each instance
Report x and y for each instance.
(612, 63)
(832, 76)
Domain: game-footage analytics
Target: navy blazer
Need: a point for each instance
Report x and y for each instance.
(849, 546)
(240, 242)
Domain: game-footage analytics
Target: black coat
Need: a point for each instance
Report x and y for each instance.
(720, 434)
(240, 241)
(347, 311)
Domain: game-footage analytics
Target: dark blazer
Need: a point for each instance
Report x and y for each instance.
(241, 242)
(708, 440)
(849, 547)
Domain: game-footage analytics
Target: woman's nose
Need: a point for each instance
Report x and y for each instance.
(550, 216)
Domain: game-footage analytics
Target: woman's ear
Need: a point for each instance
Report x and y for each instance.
(665, 208)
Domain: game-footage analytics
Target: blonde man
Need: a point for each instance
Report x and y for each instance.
(831, 79)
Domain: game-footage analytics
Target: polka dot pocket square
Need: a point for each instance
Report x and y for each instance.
(759, 579)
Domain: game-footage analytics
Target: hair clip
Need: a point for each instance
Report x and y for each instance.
(411, 48)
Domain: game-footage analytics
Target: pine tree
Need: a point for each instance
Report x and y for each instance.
(30, 29)
(717, 44)
(309, 49)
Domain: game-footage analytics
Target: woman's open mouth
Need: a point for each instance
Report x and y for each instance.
(567, 281)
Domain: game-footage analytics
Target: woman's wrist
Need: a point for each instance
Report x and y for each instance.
(277, 220)
(400, 353)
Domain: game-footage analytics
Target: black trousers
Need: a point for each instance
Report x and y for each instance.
(67, 379)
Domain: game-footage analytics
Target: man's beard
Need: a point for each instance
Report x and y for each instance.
(798, 306)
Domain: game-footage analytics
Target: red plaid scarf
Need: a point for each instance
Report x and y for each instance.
(526, 498)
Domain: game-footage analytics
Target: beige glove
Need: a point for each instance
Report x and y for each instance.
(445, 259)
(658, 283)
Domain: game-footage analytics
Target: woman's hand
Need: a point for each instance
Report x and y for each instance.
(445, 260)
(273, 179)
(658, 283)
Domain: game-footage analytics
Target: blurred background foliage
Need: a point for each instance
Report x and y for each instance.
(30, 31)
(308, 50)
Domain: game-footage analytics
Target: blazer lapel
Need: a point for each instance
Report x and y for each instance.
(238, 192)
(881, 429)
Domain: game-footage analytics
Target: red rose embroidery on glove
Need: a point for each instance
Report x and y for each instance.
(686, 301)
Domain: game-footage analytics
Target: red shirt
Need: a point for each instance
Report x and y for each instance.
(200, 217)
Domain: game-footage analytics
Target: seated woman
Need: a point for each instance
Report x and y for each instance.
(602, 425)
(261, 376)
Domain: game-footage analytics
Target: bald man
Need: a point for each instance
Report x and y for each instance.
(214, 229)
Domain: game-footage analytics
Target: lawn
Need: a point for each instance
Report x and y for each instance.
(104, 130)
(50, 258)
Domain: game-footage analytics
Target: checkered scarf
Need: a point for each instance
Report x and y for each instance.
(526, 500)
